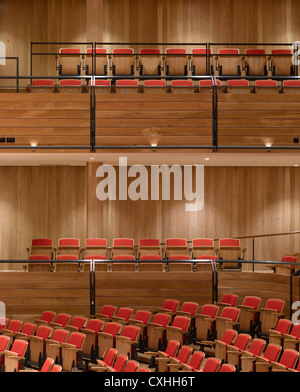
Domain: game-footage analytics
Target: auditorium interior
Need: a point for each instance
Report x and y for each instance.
(99, 271)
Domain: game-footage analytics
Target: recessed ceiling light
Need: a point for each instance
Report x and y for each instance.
(33, 144)
(153, 144)
(206, 159)
(296, 165)
(268, 144)
(92, 159)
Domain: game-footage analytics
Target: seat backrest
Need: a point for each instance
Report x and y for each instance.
(14, 325)
(291, 83)
(230, 299)
(211, 365)
(150, 257)
(77, 339)
(43, 331)
(253, 302)
(179, 257)
(175, 51)
(154, 83)
(131, 332)
(255, 51)
(272, 352)
(96, 242)
(289, 259)
(257, 346)
(60, 335)
(227, 368)
(265, 83)
(143, 316)
(19, 347)
(128, 83)
(242, 341)
(78, 322)
(229, 51)
(43, 82)
(123, 51)
(47, 365)
(209, 83)
(238, 83)
(203, 242)
(124, 257)
(94, 325)
(229, 336)
(176, 242)
(145, 242)
(295, 331)
(125, 313)
(181, 322)
(69, 51)
(108, 310)
(68, 242)
(48, 316)
(144, 370)
(62, 319)
(131, 366)
(182, 83)
(40, 257)
(202, 51)
(231, 313)
(229, 242)
(4, 341)
(189, 307)
(110, 356)
(42, 242)
(149, 51)
(96, 51)
(289, 358)
(172, 348)
(209, 310)
(162, 319)
(119, 242)
(28, 329)
(120, 363)
(196, 359)
(275, 304)
(184, 354)
(67, 257)
(112, 328)
(171, 304)
(283, 326)
(281, 52)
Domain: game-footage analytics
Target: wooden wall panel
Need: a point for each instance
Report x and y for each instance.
(40, 202)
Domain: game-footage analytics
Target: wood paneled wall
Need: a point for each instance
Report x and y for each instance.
(170, 21)
(60, 202)
(40, 202)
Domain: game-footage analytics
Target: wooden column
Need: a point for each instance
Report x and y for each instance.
(94, 220)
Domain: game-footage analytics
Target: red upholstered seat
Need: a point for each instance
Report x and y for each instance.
(150, 257)
(175, 51)
(230, 299)
(131, 366)
(179, 257)
(149, 51)
(56, 368)
(124, 313)
(40, 257)
(112, 328)
(97, 241)
(69, 51)
(209, 82)
(14, 326)
(229, 51)
(162, 319)
(227, 368)
(96, 51)
(257, 346)
(209, 310)
(155, 83)
(123, 51)
(28, 329)
(171, 305)
(126, 83)
(281, 52)
(47, 316)
(78, 322)
(119, 364)
(291, 83)
(123, 257)
(195, 361)
(43, 83)
(70, 82)
(202, 51)
(47, 365)
(100, 82)
(43, 332)
(252, 302)
(76, 339)
(230, 313)
(211, 365)
(149, 242)
(189, 307)
(68, 242)
(265, 83)
(275, 304)
(176, 242)
(62, 319)
(109, 357)
(172, 348)
(142, 315)
(108, 311)
(182, 83)
(255, 51)
(67, 257)
(60, 335)
(130, 331)
(238, 83)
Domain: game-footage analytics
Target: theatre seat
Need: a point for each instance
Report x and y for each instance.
(276, 334)
(149, 247)
(288, 360)
(108, 359)
(70, 86)
(123, 247)
(65, 266)
(171, 364)
(40, 86)
(46, 318)
(176, 62)
(223, 350)
(123, 315)
(53, 344)
(102, 86)
(227, 300)
(154, 86)
(287, 269)
(141, 319)
(194, 363)
(68, 62)
(61, 320)
(269, 316)
(266, 87)
(291, 338)
(27, 330)
(123, 62)
(107, 312)
(228, 338)
(229, 62)
(40, 246)
(230, 249)
(212, 365)
(291, 86)
(12, 327)
(249, 314)
(256, 62)
(77, 323)
(282, 62)
(36, 267)
(70, 351)
(121, 263)
(171, 350)
(14, 358)
(271, 354)
(151, 263)
(118, 366)
(107, 337)
(126, 86)
(129, 337)
(37, 344)
(96, 249)
(235, 353)
(69, 246)
(206, 86)
(99, 67)
(238, 86)
(205, 321)
(182, 86)
(169, 306)
(202, 62)
(89, 349)
(156, 331)
(179, 330)
(203, 249)
(227, 320)
(150, 62)
(176, 247)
